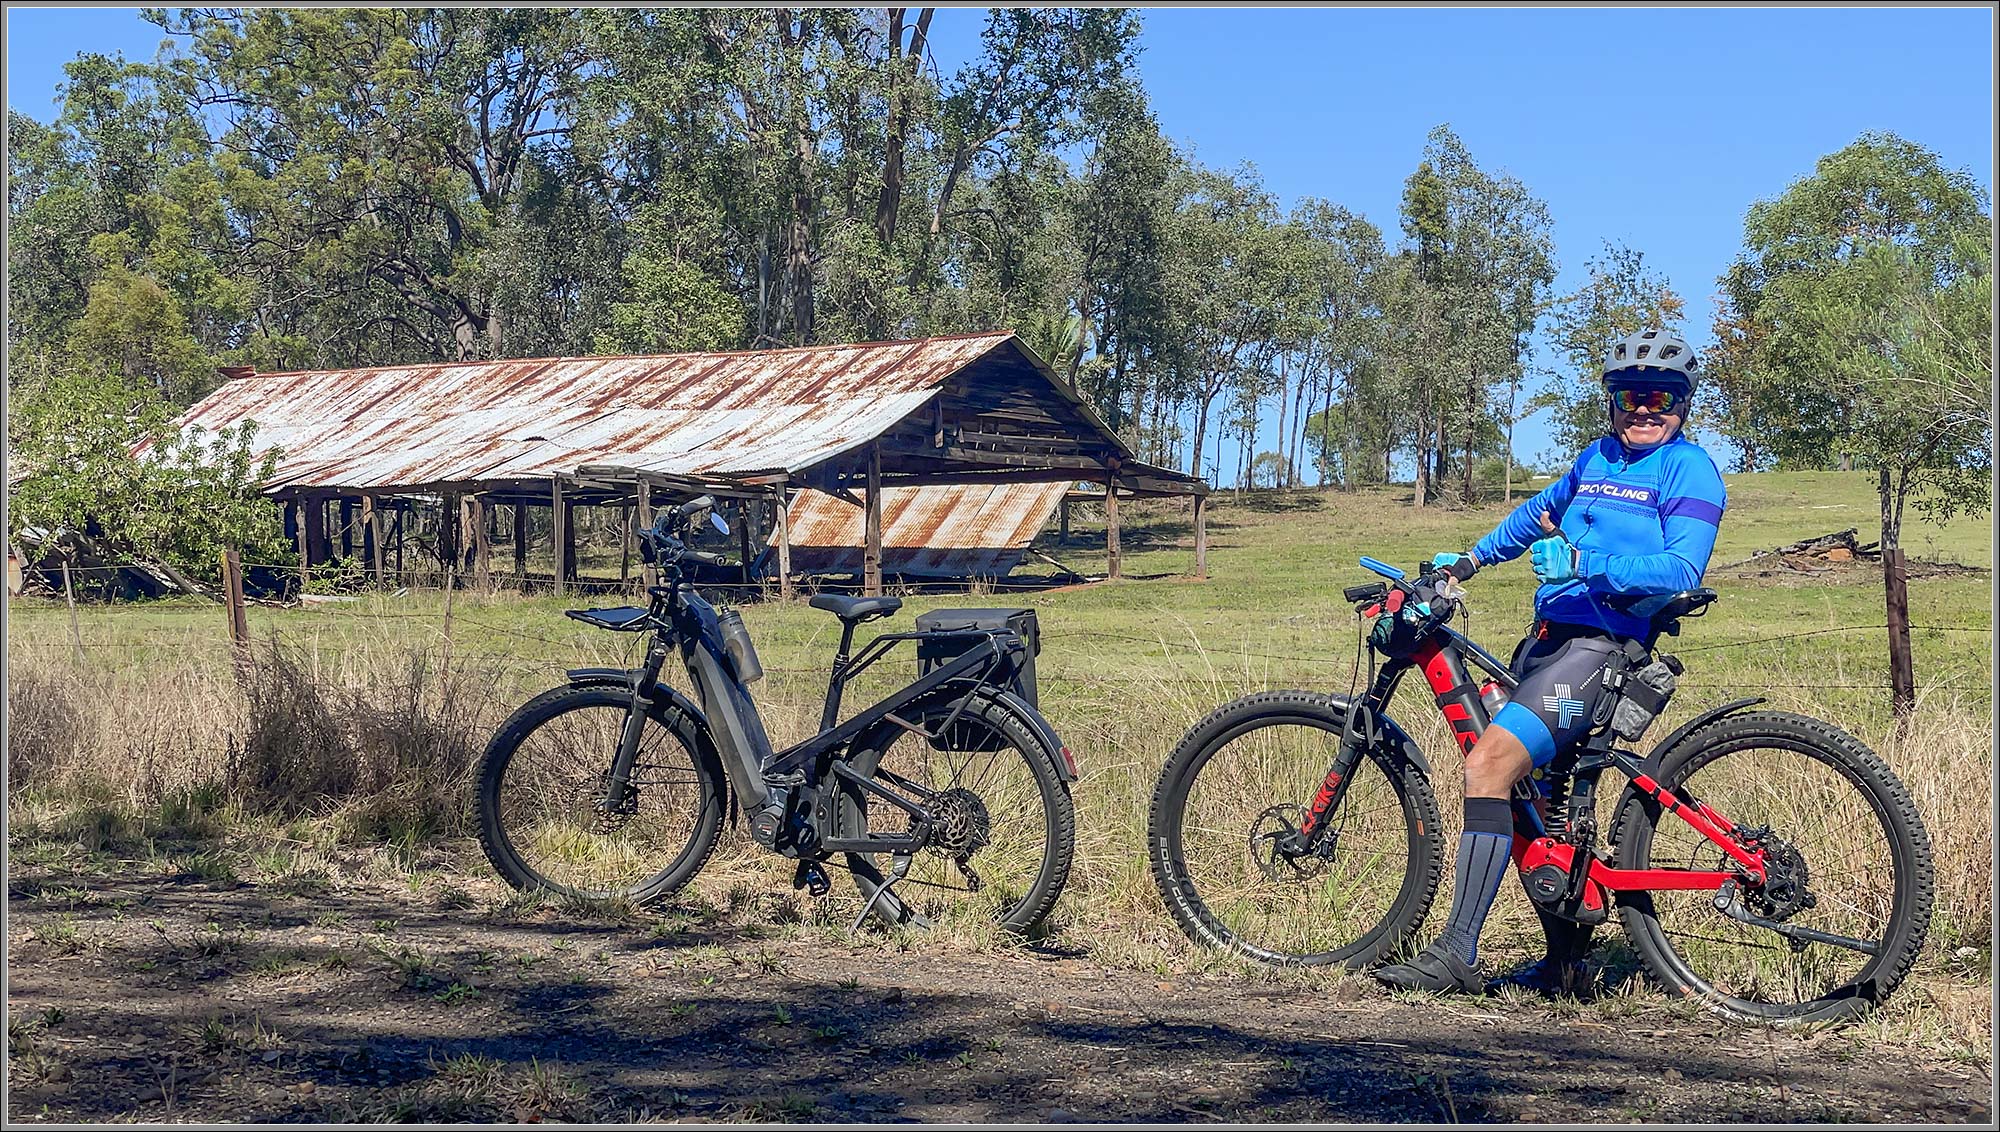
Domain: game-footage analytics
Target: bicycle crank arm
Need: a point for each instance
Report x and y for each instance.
(1727, 904)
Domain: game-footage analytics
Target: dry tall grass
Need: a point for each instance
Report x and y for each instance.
(377, 731)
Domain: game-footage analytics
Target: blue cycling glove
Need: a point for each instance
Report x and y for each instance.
(1460, 566)
(1554, 560)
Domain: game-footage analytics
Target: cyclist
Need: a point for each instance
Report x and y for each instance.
(1637, 514)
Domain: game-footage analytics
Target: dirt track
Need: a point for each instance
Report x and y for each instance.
(172, 998)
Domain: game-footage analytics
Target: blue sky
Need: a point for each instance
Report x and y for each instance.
(1656, 128)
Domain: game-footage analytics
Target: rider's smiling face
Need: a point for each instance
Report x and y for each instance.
(1643, 428)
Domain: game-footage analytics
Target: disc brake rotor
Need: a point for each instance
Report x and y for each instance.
(1269, 834)
(960, 824)
(610, 819)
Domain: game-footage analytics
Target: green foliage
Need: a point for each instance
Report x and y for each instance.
(182, 499)
(1855, 327)
(1620, 297)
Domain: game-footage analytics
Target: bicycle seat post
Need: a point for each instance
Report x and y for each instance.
(830, 714)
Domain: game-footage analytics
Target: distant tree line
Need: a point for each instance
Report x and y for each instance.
(294, 188)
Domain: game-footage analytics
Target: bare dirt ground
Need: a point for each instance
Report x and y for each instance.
(164, 996)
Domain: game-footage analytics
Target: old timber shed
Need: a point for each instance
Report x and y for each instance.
(751, 427)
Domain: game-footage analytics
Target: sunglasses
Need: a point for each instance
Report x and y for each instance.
(1645, 400)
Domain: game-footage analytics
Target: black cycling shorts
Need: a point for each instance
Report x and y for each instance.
(1562, 684)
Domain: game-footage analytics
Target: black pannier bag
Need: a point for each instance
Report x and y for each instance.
(968, 627)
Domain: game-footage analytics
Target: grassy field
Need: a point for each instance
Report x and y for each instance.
(131, 730)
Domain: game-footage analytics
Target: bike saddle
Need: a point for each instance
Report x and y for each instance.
(857, 608)
(624, 619)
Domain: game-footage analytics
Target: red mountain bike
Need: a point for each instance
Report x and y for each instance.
(1766, 862)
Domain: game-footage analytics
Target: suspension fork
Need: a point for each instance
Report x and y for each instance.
(1361, 731)
(619, 781)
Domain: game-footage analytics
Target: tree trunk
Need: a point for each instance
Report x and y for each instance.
(1471, 431)
(1423, 484)
(1896, 592)
(903, 79)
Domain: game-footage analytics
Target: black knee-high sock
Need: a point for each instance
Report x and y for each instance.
(1482, 861)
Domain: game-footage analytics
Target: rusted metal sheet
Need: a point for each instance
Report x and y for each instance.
(951, 531)
(681, 415)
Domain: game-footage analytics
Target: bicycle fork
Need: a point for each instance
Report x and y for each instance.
(618, 783)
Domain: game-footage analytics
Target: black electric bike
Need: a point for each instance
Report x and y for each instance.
(1766, 863)
(948, 798)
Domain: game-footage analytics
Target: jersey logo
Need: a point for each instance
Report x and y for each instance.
(1562, 706)
(1606, 489)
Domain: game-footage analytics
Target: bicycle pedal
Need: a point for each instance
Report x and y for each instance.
(812, 878)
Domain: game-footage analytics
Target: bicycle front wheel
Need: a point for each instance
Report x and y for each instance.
(1003, 828)
(1245, 776)
(1848, 856)
(543, 818)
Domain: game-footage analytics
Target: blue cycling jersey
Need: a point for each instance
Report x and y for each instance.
(1643, 521)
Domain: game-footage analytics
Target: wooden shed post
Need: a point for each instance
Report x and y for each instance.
(451, 524)
(743, 535)
(371, 535)
(783, 520)
(1062, 536)
(346, 527)
(1115, 570)
(305, 549)
(563, 539)
(1201, 536)
(647, 574)
(629, 515)
(314, 528)
(482, 543)
(871, 550)
(521, 543)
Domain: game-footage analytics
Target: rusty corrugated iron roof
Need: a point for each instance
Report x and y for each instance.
(952, 531)
(695, 416)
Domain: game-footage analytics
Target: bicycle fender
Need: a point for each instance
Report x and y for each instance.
(1065, 762)
(1658, 754)
(1396, 735)
(1037, 723)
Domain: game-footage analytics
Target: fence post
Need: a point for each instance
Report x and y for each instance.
(239, 619)
(69, 597)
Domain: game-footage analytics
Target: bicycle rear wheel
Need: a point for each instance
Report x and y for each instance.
(1003, 831)
(1248, 771)
(541, 790)
(1850, 856)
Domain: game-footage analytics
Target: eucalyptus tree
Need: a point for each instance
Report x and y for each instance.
(1857, 321)
(1619, 296)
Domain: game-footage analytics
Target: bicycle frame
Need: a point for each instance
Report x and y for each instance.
(681, 619)
(1441, 657)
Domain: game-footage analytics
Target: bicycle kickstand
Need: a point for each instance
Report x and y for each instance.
(897, 871)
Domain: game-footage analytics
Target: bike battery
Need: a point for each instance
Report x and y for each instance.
(967, 627)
